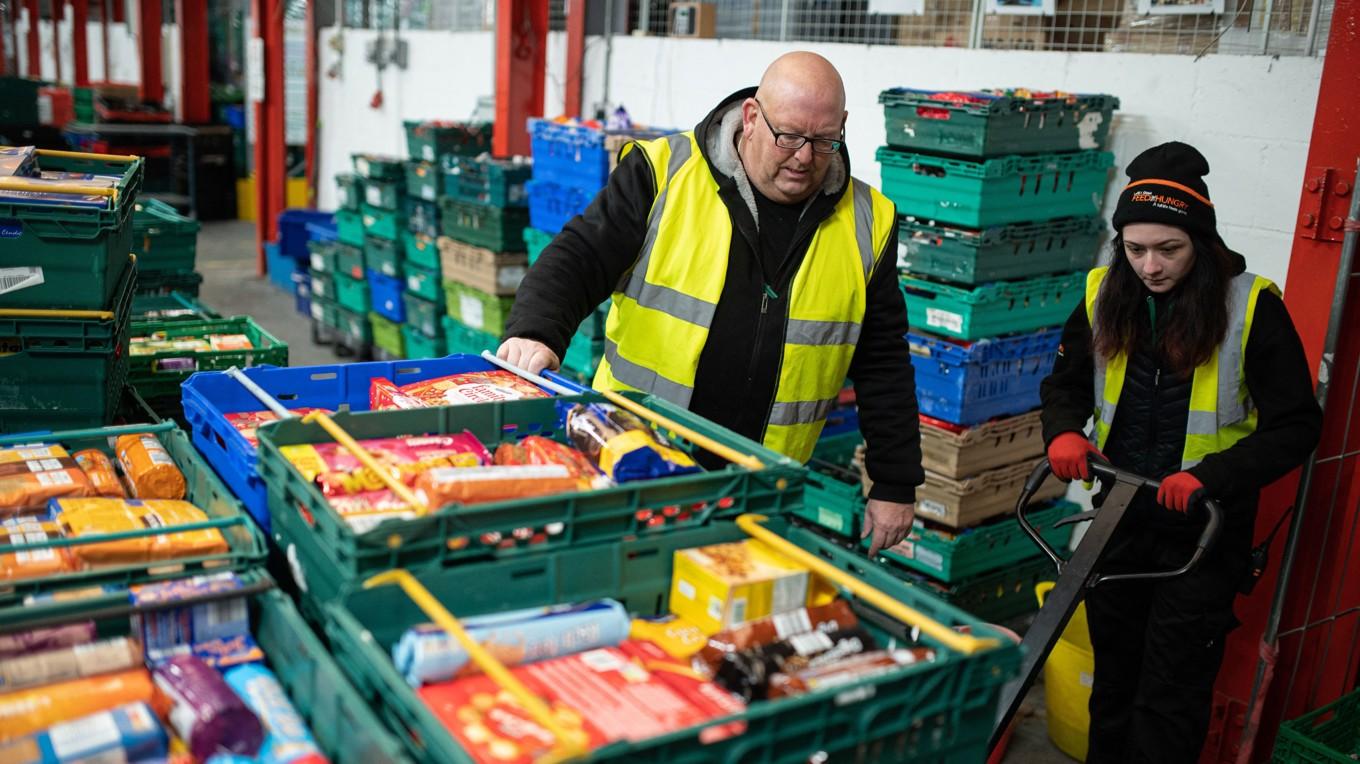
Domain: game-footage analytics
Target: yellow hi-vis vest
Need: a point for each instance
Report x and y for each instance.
(1221, 410)
(663, 309)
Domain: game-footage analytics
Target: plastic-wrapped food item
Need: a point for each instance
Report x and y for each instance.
(846, 671)
(835, 616)
(247, 422)
(153, 344)
(67, 663)
(32, 563)
(150, 471)
(230, 342)
(679, 638)
(95, 517)
(31, 475)
(426, 654)
(536, 449)
(287, 739)
(748, 672)
(384, 395)
(46, 638)
(472, 485)
(492, 727)
(175, 630)
(100, 470)
(25, 712)
(129, 732)
(622, 446)
(204, 710)
(720, 586)
(472, 387)
(693, 686)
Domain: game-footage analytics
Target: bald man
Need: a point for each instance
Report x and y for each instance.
(749, 275)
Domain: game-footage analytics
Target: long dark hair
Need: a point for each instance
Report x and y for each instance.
(1198, 315)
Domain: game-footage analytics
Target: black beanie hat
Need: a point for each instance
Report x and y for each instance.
(1166, 185)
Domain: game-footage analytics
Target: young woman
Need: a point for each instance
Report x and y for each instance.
(1196, 376)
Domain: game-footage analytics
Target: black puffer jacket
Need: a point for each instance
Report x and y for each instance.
(1148, 433)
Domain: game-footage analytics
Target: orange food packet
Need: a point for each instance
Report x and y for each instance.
(472, 485)
(31, 475)
(15, 566)
(27, 711)
(150, 471)
(96, 517)
(99, 469)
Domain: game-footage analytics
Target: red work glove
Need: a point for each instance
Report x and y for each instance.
(1179, 491)
(1068, 454)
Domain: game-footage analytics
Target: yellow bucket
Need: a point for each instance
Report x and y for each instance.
(1067, 682)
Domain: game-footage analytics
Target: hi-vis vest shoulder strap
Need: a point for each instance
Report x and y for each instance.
(1221, 410)
(662, 310)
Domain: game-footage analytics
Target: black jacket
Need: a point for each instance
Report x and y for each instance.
(1148, 432)
(739, 366)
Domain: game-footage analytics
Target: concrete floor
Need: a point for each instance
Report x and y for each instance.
(226, 258)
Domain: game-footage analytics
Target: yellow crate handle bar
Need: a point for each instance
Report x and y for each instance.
(97, 315)
(17, 183)
(699, 439)
(963, 643)
(568, 746)
(84, 155)
(399, 488)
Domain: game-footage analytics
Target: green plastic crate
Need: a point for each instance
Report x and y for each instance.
(939, 711)
(166, 282)
(499, 229)
(322, 256)
(1012, 189)
(594, 324)
(380, 223)
(163, 239)
(483, 180)
(1018, 250)
(424, 283)
(384, 194)
(423, 315)
(322, 284)
(349, 226)
(422, 217)
(535, 241)
(246, 547)
(350, 190)
(62, 373)
(460, 338)
(838, 449)
(422, 250)
(583, 355)
(71, 258)
(382, 256)
(421, 345)
(153, 378)
(326, 312)
(354, 326)
(301, 516)
(478, 310)
(387, 335)
(428, 141)
(994, 597)
(373, 167)
(173, 306)
(1327, 734)
(19, 101)
(423, 180)
(349, 260)
(1002, 307)
(985, 124)
(352, 293)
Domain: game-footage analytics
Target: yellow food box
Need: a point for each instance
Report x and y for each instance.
(724, 585)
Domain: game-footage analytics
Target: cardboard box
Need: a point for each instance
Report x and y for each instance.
(495, 273)
(957, 454)
(690, 19)
(965, 502)
(724, 585)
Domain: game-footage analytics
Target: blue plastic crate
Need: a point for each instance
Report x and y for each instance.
(967, 383)
(209, 396)
(385, 293)
(293, 230)
(323, 230)
(551, 204)
(280, 268)
(302, 292)
(841, 420)
(572, 155)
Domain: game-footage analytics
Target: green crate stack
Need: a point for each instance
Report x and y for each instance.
(166, 245)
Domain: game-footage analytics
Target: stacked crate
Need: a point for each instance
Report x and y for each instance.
(166, 245)
(339, 294)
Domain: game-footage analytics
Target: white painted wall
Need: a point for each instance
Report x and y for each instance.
(1250, 115)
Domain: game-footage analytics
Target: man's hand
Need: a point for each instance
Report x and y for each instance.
(530, 355)
(888, 522)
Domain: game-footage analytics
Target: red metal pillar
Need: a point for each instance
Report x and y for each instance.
(34, 43)
(521, 59)
(576, 47)
(1319, 634)
(270, 178)
(80, 55)
(195, 101)
(153, 80)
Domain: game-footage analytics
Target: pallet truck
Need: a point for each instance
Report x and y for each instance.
(1078, 573)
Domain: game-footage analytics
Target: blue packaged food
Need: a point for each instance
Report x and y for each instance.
(287, 739)
(18, 160)
(175, 631)
(126, 733)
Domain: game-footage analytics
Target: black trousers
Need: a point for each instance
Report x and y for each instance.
(1158, 646)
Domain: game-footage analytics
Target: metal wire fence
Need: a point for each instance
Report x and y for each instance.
(1269, 27)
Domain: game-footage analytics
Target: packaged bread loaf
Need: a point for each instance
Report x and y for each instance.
(100, 470)
(67, 663)
(150, 471)
(31, 475)
(32, 563)
(621, 446)
(472, 485)
(24, 712)
(96, 517)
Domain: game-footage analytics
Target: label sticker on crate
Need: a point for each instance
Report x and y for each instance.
(510, 276)
(427, 193)
(318, 288)
(428, 152)
(930, 558)
(944, 319)
(11, 229)
(413, 282)
(374, 195)
(318, 312)
(318, 262)
(470, 308)
(15, 279)
(361, 165)
(932, 508)
(831, 520)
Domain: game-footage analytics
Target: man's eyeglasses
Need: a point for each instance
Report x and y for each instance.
(794, 141)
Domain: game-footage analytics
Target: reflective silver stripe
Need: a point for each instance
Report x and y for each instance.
(864, 226)
(802, 332)
(800, 412)
(680, 153)
(645, 379)
(676, 303)
(1201, 423)
(1232, 407)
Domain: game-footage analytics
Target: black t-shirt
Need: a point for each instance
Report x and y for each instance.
(777, 225)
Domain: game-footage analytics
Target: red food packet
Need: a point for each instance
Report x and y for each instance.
(247, 422)
(473, 387)
(492, 726)
(384, 395)
(539, 450)
(698, 690)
